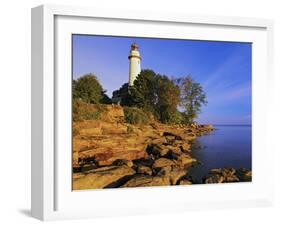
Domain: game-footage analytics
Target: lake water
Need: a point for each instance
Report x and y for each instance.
(227, 146)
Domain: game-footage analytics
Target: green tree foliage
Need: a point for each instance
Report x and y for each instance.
(192, 98)
(143, 94)
(123, 95)
(135, 115)
(105, 99)
(85, 111)
(168, 99)
(89, 90)
(157, 94)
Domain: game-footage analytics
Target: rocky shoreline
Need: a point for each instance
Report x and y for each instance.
(109, 153)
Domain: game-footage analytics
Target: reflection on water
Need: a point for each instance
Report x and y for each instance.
(227, 146)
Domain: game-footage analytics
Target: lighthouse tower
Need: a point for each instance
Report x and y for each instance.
(135, 63)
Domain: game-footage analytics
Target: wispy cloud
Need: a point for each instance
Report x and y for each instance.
(231, 94)
(223, 77)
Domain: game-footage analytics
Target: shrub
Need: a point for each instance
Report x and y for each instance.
(172, 117)
(84, 111)
(88, 89)
(135, 115)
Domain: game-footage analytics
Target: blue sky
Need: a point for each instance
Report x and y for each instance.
(222, 68)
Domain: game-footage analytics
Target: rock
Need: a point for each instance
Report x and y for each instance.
(113, 128)
(91, 131)
(172, 134)
(185, 182)
(165, 170)
(77, 175)
(164, 151)
(214, 179)
(160, 140)
(75, 157)
(120, 162)
(248, 174)
(173, 172)
(158, 150)
(144, 162)
(105, 155)
(103, 177)
(228, 172)
(113, 113)
(88, 127)
(244, 175)
(185, 147)
(87, 167)
(175, 175)
(178, 142)
(216, 171)
(146, 180)
(162, 162)
(175, 150)
(225, 175)
(170, 139)
(184, 160)
(194, 125)
(231, 178)
(144, 170)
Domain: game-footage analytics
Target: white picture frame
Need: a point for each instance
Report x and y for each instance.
(51, 197)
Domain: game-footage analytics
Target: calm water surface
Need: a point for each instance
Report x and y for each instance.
(227, 146)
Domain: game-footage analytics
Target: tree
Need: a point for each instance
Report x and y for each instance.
(143, 93)
(192, 98)
(157, 94)
(168, 99)
(88, 89)
(122, 95)
(105, 98)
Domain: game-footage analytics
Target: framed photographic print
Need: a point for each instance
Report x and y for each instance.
(137, 112)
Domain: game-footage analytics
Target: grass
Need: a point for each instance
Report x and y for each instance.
(84, 111)
(136, 116)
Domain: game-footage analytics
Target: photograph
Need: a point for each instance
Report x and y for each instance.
(160, 112)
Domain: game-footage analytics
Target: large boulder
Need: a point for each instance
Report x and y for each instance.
(214, 179)
(120, 162)
(185, 182)
(244, 174)
(160, 140)
(185, 147)
(174, 149)
(185, 160)
(158, 149)
(144, 170)
(162, 162)
(175, 174)
(103, 177)
(106, 151)
(146, 180)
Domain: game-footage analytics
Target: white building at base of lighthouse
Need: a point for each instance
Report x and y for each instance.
(135, 63)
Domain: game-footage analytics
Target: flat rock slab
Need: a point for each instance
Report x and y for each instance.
(146, 180)
(162, 162)
(103, 177)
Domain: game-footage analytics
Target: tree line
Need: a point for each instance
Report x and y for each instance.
(171, 101)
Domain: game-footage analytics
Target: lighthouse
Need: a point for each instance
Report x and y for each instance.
(135, 63)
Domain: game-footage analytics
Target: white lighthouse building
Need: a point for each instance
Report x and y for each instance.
(135, 63)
